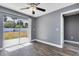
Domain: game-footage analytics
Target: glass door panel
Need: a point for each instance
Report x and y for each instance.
(23, 31)
(11, 33)
(23, 35)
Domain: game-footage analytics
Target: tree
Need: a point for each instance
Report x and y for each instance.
(5, 19)
(19, 24)
(26, 25)
(9, 24)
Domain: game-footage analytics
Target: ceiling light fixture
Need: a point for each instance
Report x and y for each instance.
(33, 7)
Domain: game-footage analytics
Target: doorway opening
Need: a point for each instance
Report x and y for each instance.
(16, 31)
(69, 29)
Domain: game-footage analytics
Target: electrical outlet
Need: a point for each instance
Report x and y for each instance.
(72, 37)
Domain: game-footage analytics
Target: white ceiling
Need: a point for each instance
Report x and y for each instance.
(50, 7)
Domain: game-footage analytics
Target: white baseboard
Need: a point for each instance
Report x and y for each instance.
(74, 42)
(33, 40)
(51, 44)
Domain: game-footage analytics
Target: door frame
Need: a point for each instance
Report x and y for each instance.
(70, 12)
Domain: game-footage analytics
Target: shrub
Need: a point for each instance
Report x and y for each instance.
(9, 24)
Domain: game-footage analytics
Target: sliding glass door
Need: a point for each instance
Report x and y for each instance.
(15, 31)
(11, 33)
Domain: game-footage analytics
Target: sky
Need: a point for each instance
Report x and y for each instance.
(10, 19)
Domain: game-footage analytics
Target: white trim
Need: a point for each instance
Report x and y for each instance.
(74, 42)
(33, 40)
(29, 29)
(62, 30)
(62, 24)
(71, 11)
(48, 43)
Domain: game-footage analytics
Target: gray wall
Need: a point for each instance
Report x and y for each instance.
(71, 25)
(48, 26)
(5, 11)
(33, 30)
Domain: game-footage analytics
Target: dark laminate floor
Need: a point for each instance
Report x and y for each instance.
(40, 49)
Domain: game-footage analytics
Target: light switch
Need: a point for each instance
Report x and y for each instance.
(57, 29)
